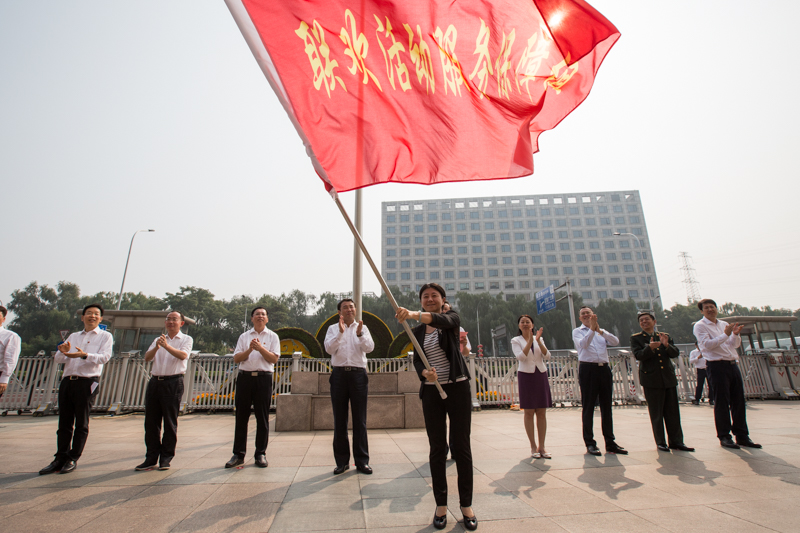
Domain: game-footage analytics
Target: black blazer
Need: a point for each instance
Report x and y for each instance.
(450, 324)
(655, 368)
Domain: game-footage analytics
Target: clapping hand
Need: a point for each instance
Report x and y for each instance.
(64, 347)
(162, 341)
(729, 329)
(664, 339)
(255, 344)
(539, 334)
(737, 328)
(593, 323)
(360, 327)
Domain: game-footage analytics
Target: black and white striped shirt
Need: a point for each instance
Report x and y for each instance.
(436, 357)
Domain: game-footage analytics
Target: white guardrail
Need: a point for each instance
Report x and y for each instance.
(209, 383)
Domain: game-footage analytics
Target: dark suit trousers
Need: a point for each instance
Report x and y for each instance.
(75, 400)
(728, 396)
(702, 376)
(662, 404)
(255, 391)
(458, 408)
(350, 387)
(595, 382)
(162, 401)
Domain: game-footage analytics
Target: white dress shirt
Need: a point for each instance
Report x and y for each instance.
(528, 363)
(348, 349)
(256, 362)
(593, 347)
(97, 344)
(469, 346)
(715, 345)
(166, 364)
(10, 345)
(696, 358)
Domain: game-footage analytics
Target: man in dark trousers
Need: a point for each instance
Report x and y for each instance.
(257, 351)
(83, 354)
(654, 351)
(162, 399)
(348, 342)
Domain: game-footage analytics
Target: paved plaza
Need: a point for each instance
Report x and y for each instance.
(713, 489)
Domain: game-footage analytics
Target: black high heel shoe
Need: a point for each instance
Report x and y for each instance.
(470, 522)
(439, 522)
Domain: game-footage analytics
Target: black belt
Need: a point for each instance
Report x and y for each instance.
(593, 364)
(164, 378)
(351, 368)
(75, 378)
(254, 374)
(722, 361)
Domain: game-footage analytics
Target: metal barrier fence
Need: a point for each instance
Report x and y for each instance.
(209, 383)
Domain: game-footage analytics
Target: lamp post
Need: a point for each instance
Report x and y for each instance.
(119, 301)
(641, 247)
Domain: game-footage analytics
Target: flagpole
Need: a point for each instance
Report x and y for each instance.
(357, 260)
(385, 287)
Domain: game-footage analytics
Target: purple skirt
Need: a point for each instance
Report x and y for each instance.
(534, 390)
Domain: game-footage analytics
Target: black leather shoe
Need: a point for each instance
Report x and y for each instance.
(146, 465)
(662, 447)
(594, 450)
(235, 461)
(261, 460)
(163, 465)
(746, 442)
(52, 468)
(711, 404)
(616, 448)
(470, 522)
(439, 522)
(364, 469)
(682, 447)
(68, 467)
(695, 402)
(727, 442)
(341, 469)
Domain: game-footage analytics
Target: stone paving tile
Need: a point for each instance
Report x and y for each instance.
(13, 501)
(170, 495)
(686, 518)
(494, 506)
(393, 488)
(619, 522)
(135, 520)
(566, 501)
(334, 513)
(196, 476)
(77, 478)
(403, 511)
(45, 519)
(253, 474)
(776, 514)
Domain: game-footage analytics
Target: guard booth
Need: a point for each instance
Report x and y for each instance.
(768, 341)
(136, 330)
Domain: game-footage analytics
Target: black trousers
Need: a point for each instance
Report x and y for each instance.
(728, 396)
(350, 387)
(595, 382)
(702, 376)
(75, 400)
(162, 401)
(662, 404)
(255, 391)
(458, 408)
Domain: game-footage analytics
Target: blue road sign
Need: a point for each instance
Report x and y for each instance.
(103, 327)
(545, 300)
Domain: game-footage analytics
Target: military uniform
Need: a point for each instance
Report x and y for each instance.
(657, 376)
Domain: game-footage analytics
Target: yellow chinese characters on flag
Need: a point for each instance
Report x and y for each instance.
(432, 91)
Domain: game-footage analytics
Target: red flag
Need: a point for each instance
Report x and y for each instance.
(425, 91)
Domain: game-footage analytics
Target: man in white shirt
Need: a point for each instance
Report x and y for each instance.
(696, 358)
(10, 346)
(256, 352)
(348, 342)
(162, 399)
(83, 354)
(594, 378)
(718, 341)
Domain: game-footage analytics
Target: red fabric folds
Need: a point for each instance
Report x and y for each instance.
(426, 91)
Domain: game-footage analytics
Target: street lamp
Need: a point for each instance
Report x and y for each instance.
(119, 301)
(644, 271)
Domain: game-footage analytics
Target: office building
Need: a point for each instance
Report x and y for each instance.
(518, 245)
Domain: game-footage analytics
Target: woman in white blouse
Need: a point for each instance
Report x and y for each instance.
(534, 389)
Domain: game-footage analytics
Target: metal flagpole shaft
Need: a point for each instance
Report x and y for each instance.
(357, 260)
(385, 287)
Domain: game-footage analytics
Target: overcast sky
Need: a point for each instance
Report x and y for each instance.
(119, 116)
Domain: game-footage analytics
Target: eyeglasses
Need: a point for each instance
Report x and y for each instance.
(173, 320)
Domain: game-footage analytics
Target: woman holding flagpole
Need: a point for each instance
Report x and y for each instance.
(438, 335)
(534, 389)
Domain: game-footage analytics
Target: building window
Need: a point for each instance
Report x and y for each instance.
(633, 294)
(420, 263)
(475, 226)
(391, 229)
(449, 286)
(585, 282)
(391, 264)
(596, 257)
(597, 269)
(391, 276)
(419, 240)
(404, 229)
(508, 285)
(580, 257)
(616, 281)
(405, 275)
(566, 258)
(463, 286)
(505, 236)
(461, 238)
(600, 282)
(405, 264)
(521, 259)
(493, 273)
(419, 251)
(488, 226)
(419, 275)
(628, 268)
(391, 253)
(538, 284)
(551, 259)
(479, 286)
(602, 295)
(434, 263)
(583, 270)
(568, 270)
(504, 225)
(492, 261)
(536, 259)
(552, 271)
(519, 248)
(533, 224)
(524, 284)
(630, 281)
(586, 295)
(449, 262)
(522, 271)
(449, 274)
(494, 285)
(477, 273)
(477, 261)
(463, 261)
(462, 250)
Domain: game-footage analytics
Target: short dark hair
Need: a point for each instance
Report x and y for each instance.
(343, 300)
(98, 306)
(4, 311)
(436, 286)
(704, 301)
(520, 318)
(584, 307)
(183, 318)
(256, 309)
